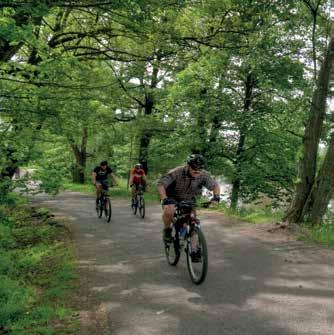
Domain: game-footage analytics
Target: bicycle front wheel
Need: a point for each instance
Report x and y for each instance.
(100, 208)
(197, 256)
(142, 207)
(134, 205)
(107, 209)
(172, 249)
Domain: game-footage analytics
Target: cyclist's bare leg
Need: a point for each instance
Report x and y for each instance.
(194, 237)
(98, 192)
(133, 191)
(168, 214)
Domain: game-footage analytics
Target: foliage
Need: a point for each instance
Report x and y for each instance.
(154, 81)
(323, 234)
(36, 272)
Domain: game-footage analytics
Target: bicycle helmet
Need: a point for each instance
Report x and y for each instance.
(104, 163)
(196, 161)
(138, 165)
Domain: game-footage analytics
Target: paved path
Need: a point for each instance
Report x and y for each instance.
(258, 283)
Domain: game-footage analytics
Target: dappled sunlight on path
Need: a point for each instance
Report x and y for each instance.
(257, 283)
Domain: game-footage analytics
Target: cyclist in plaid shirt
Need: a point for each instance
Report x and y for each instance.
(184, 183)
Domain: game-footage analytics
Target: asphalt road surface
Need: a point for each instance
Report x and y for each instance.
(258, 282)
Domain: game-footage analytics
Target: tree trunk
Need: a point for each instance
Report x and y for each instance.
(322, 191)
(144, 143)
(147, 133)
(11, 164)
(312, 134)
(235, 193)
(199, 144)
(80, 155)
(236, 182)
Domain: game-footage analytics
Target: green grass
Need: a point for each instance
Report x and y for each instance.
(36, 273)
(83, 188)
(260, 216)
(254, 214)
(322, 234)
(120, 191)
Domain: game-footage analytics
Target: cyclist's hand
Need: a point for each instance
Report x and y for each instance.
(167, 201)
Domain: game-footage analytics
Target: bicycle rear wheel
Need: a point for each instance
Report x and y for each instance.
(107, 209)
(197, 256)
(142, 207)
(172, 249)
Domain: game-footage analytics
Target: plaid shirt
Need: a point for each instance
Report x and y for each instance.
(180, 185)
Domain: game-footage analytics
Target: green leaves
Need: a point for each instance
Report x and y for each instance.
(228, 78)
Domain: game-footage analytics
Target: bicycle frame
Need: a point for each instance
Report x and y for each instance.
(185, 214)
(138, 201)
(104, 205)
(139, 191)
(195, 244)
(104, 194)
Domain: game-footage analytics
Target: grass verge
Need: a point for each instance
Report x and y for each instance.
(120, 191)
(36, 272)
(252, 214)
(322, 234)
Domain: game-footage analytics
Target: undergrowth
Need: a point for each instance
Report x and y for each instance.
(36, 271)
(322, 234)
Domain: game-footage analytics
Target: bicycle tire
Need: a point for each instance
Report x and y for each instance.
(135, 206)
(100, 207)
(97, 207)
(107, 212)
(173, 250)
(197, 274)
(141, 207)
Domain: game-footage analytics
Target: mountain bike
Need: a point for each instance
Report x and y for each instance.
(104, 205)
(187, 235)
(138, 202)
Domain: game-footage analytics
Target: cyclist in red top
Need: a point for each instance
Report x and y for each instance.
(137, 178)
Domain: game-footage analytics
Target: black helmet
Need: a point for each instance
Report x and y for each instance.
(196, 161)
(104, 163)
(138, 165)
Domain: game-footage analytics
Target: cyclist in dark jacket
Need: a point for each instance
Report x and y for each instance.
(100, 176)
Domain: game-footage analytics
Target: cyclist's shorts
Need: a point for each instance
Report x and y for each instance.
(105, 184)
(137, 185)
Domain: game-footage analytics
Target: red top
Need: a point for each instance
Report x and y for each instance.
(137, 175)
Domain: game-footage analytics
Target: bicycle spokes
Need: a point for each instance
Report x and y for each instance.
(172, 249)
(104, 206)
(197, 256)
(138, 204)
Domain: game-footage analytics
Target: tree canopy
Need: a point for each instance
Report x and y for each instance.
(245, 83)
